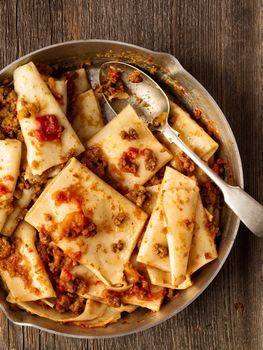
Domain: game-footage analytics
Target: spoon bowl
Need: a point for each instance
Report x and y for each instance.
(146, 96)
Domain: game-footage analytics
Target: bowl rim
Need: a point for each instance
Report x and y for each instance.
(239, 172)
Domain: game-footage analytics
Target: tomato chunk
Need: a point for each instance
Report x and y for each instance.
(3, 189)
(132, 152)
(113, 74)
(49, 128)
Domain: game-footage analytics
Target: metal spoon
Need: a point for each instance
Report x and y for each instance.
(149, 101)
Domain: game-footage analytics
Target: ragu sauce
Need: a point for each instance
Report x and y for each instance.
(69, 194)
(3, 189)
(49, 128)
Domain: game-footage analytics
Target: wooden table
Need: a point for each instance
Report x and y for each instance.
(218, 41)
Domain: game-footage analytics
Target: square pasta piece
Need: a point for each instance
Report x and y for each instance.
(132, 153)
(48, 135)
(87, 117)
(89, 221)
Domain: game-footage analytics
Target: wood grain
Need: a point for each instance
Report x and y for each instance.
(219, 42)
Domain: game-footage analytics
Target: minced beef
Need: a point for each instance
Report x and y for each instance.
(219, 167)
(139, 195)
(113, 87)
(117, 247)
(150, 161)
(95, 159)
(112, 297)
(129, 135)
(9, 125)
(62, 303)
(210, 194)
(57, 261)
(127, 161)
(157, 178)
(141, 289)
(52, 257)
(77, 305)
(119, 218)
(5, 248)
(187, 164)
(72, 302)
(160, 250)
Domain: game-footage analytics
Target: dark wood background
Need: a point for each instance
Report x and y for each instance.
(219, 42)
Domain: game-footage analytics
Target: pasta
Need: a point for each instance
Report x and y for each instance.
(98, 219)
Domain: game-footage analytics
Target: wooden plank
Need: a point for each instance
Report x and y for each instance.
(15, 337)
(219, 43)
(31, 338)
(4, 332)
(46, 340)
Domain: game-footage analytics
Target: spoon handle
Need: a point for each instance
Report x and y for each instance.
(243, 205)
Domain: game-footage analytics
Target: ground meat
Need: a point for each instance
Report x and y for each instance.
(119, 218)
(76, 224)
(127, 161)
(82, 286)
(42, 250)
(95, 159)
(90, 229)
(150, 159)
(210, 194)
(209, 127)
(219, 167)
(157, 178)
(135, 77)
(131, 134)
(113, 298)
(139, 195)
(36, 179)
(9, 125)
(160, 250)
(141, 289)
(62, 303)
(78, 305)
(44, 236)
(117, 247)
(57, 260)
(52, 257)
(187, 164)
(5, 248)
(127, 165)
(114, 87)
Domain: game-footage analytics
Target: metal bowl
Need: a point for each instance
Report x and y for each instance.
(169, 72)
